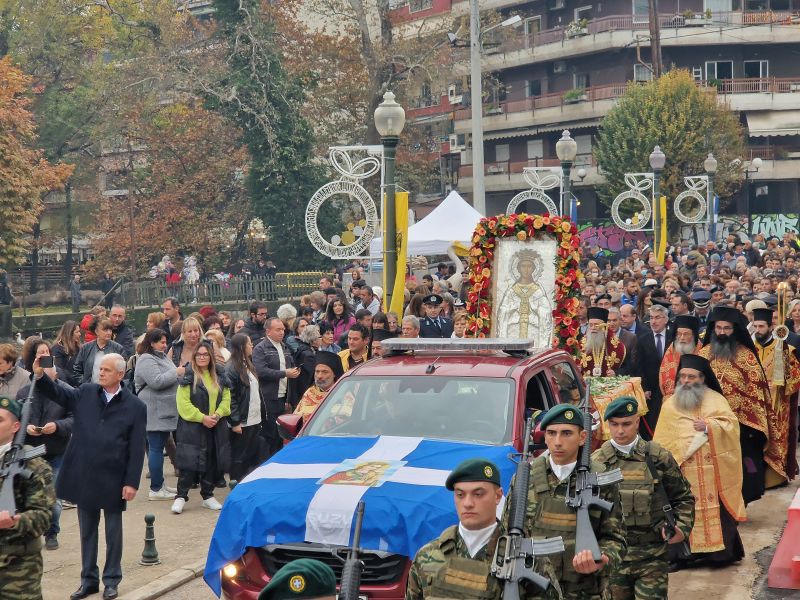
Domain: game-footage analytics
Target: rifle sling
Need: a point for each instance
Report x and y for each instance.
(660, 493)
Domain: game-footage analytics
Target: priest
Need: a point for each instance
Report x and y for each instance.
(701, 431)
(783, 374)
(732, 354)
(602, 352)
(327, 371)
(686, 341)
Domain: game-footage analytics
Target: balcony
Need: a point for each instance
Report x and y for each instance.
(507, 175)
(617, 31)
(768, 93)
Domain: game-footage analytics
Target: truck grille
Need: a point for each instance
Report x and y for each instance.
(380, 568)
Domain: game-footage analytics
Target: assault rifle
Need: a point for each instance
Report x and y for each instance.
(14, 462)
(514, 557)
(351, 573)
(587, 489)
(670, 522)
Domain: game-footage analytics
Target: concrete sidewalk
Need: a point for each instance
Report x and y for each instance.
(182, 542)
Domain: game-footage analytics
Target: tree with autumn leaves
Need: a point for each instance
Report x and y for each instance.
(25, 175)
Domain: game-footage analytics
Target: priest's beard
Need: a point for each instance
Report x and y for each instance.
(722, 347)
(683, 347)
(595, 341)
(764, 339)
(688, 397)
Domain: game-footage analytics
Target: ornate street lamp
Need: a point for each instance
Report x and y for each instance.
(710, 165)
(567, 150)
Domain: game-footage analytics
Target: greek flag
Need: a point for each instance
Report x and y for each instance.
(309, 492)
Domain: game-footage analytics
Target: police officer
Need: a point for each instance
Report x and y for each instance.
(301, 578)
(644, 569)
(434, 325)
(551, 479)
(21, 534)
(456, 564)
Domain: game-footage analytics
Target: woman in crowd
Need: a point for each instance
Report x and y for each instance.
(247, 408)
(288, 315)
(340, 317)
(156, 383)
(226, 319)
(459, 324)
(380, 321)
(392, 322)
(643, 304)
(49, 424)
(327, 338)
(221, 354)
(87, 363)
(416, 306)
(293, 339)
(88, 321)
(65, 349)
(307, 344)
(236, 326)
(183, 348)
(793, 320)
(202, 434)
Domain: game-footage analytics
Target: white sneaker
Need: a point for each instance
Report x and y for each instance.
(177, 506)
(212, 504)
(170, 489)
(162, 494)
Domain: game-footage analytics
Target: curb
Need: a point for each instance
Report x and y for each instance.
(166, 583)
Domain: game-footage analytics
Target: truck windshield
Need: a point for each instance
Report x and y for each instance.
(460, 409)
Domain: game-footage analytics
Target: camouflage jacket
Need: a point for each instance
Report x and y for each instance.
(443, 568)
(641, 506)
(35, 498)
(547, 515)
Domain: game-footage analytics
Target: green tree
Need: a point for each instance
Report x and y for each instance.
(686, 121)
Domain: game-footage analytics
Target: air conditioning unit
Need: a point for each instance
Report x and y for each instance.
(455, 146)
(560, 66)
(451, 92)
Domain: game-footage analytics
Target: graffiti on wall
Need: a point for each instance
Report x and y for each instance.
(608, 236)
(774, 225)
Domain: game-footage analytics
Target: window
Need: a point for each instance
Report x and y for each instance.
(641, 11)
(535, 149)
(642, 72)
(580, 80)
(501, 153)
(720, 69)
(533, 88)
(569, 390)
(584, 144)
(533, 25)
(756, 69)
(417, 5)
(583, 12)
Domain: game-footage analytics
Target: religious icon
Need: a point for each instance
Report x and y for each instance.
(524, 294)
(361, 473)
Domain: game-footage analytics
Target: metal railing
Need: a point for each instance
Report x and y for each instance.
(509, 167)
(284, 286)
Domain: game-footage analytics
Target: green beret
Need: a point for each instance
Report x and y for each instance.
(301, 578)
(624, 406)
(11, 405)
(473, 469)
(563, 414)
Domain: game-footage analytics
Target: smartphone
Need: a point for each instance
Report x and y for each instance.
(38, 429)
(46, 362)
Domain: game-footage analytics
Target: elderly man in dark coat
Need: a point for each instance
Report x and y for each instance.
(102, 465)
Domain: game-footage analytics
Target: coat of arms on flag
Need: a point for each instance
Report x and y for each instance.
(362, 473)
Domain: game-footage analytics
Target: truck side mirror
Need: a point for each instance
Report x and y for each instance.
(289, 426)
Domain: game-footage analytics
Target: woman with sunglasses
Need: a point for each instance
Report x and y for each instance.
(203, 437)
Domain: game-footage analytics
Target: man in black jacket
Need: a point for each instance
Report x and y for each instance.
(102, 465)
(254, 326)
(274, 369)
(50, 424)
(121, 332)
(653, 343)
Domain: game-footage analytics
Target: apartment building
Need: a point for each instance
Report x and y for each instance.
(565, 67)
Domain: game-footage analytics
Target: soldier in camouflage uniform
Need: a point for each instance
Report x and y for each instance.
(456, 564)
(644, 570)
(548, 515)
(21, 534)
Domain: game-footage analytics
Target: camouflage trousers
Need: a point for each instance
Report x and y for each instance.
(641, 576)
(21, 577)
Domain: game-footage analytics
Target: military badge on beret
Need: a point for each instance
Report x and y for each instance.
(569, 414)
(297, 584)
(487, 470)
(622, 407)
(630, 407)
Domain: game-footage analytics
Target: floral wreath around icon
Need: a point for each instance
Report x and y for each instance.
(524, 227)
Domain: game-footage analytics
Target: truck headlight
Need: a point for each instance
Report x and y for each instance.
(230, 570)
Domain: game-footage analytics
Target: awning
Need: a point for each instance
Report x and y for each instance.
(773, 123)
(504, 135)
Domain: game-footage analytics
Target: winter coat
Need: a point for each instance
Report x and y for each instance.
(44, 411)
(84, 363)
(156, 382)
(341, 326)
(193, 438)
(63, 362)
(125, 337)
(240, 397)
(269, 372)
(304, 358)
(106, 451)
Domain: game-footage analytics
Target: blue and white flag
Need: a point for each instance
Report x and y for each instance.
(309, 492)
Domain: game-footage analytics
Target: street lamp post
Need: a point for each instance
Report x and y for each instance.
(710, 165)
(657, 161)
(756, 165)
(567, 150)
(389, 121)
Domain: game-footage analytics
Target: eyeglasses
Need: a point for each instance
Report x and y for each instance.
(202, 355)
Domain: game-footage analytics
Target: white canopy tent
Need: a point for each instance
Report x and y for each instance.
(454, 220)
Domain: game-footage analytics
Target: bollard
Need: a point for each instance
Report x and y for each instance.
(150, 553)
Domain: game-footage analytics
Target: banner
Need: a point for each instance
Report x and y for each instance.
(660, 229)
(398, 291)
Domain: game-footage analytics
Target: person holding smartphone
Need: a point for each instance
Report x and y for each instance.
(50, 424)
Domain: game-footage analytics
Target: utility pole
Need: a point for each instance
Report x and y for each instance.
(131, 211)
(478, 187)
(655, 39)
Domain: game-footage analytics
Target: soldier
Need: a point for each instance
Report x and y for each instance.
(301, 578)
(21, 534)
(434, 325)
(456, 564)
(548, 515)
(650, 472)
